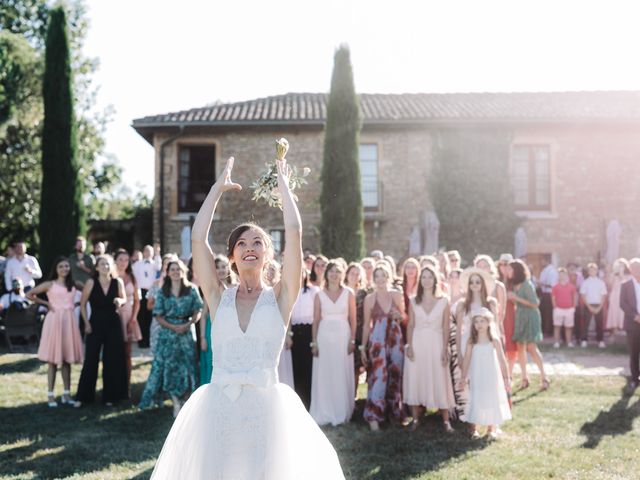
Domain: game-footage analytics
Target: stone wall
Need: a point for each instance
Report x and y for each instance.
(595, 178)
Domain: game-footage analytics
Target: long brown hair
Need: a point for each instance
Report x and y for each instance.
(53, 275)
(484, 295)
(128, 270)
(436, 290)
(185, 286)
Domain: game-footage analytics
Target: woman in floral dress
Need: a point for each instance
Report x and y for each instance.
(382, 349)
(177, 306)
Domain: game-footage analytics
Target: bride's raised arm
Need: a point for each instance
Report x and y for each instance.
(203, 259)
(289, 286)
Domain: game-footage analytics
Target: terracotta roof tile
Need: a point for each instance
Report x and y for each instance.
(415, 108)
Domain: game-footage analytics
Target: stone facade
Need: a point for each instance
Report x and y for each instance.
(595, 178)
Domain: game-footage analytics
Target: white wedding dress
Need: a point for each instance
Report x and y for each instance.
(245, 425)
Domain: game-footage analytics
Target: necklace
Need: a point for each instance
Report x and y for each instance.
(249, 289)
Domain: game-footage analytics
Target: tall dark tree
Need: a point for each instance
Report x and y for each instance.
(341, 225)
(61, 206)
(470, 190)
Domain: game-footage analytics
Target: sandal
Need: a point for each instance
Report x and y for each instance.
(545, 385)
(66, 398)
(413, 426)
(447, 427)
(51, 400)
(524, 384)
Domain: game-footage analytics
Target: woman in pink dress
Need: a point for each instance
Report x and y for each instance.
(427, 380)
(129, 311)
(619, 275)
(60, 342)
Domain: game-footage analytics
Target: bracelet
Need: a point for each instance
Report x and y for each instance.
(361, 348)
(353, 342)
(312, 344)
(290, 333)
(408, 345)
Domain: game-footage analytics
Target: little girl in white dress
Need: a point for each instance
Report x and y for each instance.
(486, 368)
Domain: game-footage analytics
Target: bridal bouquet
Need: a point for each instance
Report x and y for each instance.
(266, 187)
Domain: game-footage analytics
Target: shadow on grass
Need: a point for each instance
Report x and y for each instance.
(26, 365)
(53, 443)
(618, 420)
(397, 453)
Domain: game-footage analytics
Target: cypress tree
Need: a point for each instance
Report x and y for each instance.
(61, 208)
(341, 224)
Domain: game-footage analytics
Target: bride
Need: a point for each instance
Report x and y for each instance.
(244, 424)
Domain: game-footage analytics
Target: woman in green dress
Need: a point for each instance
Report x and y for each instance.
(177, 306)
(528, 324)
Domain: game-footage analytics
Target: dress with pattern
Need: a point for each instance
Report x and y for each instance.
(173, 368)
(528, 323)
(386, 363)
(245, 425)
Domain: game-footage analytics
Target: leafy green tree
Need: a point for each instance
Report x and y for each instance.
(20, 119)
(61, 203)
(470, 191)
(20, 136)
(341, 224)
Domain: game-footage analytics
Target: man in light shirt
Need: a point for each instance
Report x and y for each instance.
(146, 271)
(630, 305)
(593, 292)
(22, 266)
(548, 279)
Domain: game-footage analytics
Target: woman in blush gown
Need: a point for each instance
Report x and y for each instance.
(245, 424)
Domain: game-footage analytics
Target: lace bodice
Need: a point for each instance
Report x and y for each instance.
(251, 357)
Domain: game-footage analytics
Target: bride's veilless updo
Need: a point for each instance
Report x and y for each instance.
(238, 231)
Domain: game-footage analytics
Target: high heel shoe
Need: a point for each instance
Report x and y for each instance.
(524, 384)
(545, 385)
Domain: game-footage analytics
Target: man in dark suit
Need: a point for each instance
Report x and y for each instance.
(630, 305)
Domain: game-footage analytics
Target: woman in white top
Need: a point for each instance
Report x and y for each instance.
(334, 330)
(301, 325)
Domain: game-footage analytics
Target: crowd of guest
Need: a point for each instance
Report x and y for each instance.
(427, 335)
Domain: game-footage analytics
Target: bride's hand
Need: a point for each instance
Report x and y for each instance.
(224, 182)
(284, 174)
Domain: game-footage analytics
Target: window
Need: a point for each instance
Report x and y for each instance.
(196, 174)
(277, 237)
(369, 177)
(531, 177)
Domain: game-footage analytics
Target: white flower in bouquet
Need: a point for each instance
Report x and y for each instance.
(266, 187)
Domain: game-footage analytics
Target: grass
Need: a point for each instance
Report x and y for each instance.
(584, 427)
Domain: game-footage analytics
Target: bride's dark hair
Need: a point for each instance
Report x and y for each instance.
(238, 231)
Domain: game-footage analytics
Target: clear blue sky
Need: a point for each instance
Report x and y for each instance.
(159, 56)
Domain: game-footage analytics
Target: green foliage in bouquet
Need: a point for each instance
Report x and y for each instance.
(341, 224)
(266, 187)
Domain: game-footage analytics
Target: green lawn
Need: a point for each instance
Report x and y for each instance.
(583, 428)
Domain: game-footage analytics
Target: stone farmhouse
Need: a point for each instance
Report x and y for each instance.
(574, 166)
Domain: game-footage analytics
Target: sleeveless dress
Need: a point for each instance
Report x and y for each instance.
(510, 347)
(488, 403)
(333, 378)
(285, 368)
(386, 362)
(104, 342)
(245, 425)
(60, 341)
(206, 362)
(426, 381)
(130, 325)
